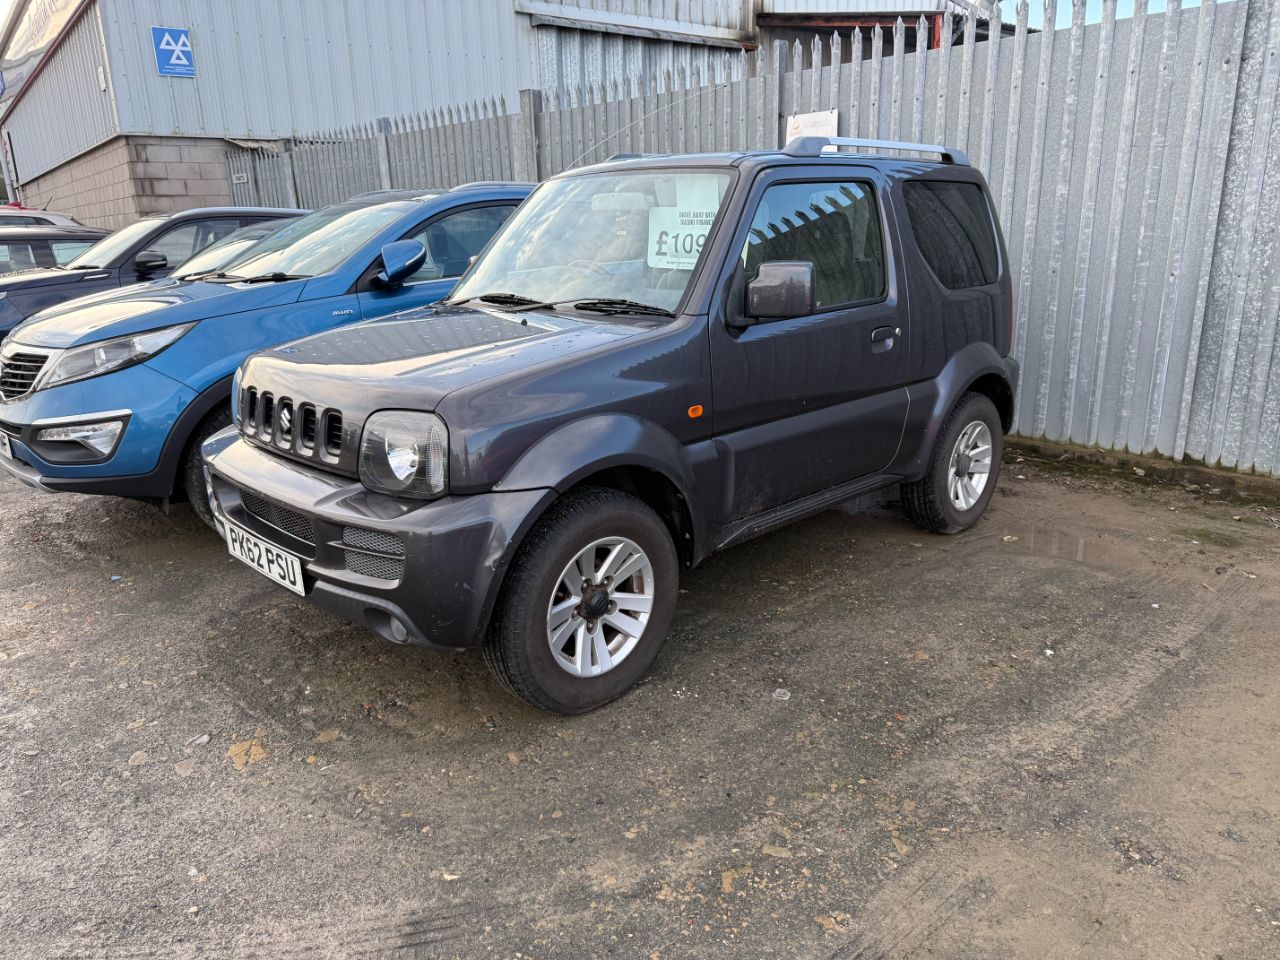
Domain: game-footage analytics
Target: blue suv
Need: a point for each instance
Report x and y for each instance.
(114, 393)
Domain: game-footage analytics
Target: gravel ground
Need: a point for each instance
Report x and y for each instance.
(1053, 736)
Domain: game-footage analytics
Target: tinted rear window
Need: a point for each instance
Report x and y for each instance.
(953, 230)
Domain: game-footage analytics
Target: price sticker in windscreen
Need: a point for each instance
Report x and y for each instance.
(677, 234)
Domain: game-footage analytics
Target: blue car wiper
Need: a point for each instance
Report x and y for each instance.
(271, 278)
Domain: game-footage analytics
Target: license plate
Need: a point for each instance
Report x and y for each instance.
(269, 560)
(6, 450)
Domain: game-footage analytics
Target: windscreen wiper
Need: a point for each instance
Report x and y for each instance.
(270, 278)
(620, 307)
(519, 302)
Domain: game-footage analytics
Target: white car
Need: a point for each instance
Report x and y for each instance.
(12, 215)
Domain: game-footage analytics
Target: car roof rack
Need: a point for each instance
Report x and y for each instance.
(813, 147)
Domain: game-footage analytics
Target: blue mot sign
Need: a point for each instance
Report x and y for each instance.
(173, 51)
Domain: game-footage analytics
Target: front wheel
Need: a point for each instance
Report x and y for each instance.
(962, 474)
(193, 464)
(586, 604)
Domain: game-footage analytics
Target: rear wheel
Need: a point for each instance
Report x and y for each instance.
(193, 463)
(963, 471)
(587, 602)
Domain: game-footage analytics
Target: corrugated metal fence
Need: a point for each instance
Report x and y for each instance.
(1135, 163)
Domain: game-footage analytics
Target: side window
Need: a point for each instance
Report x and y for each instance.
(834, 226)
(952, 226)
(24, 221)
(186, 240)
(453, 240)
(64, 251)
(16, 256)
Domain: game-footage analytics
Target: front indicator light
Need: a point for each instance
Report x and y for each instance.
(100, 438)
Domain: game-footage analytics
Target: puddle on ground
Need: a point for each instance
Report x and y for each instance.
(1053, 543)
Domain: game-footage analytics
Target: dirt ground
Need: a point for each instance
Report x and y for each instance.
(1054, 736)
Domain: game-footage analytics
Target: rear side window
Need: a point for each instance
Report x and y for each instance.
(16, 256)
(952, 226)
(834, 226)
(64, 251)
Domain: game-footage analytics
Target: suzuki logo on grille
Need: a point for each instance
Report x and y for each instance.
(286, 419)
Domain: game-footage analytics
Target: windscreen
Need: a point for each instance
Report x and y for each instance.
(112, 246)
(317, 243)
(225, 250)
(623, 235)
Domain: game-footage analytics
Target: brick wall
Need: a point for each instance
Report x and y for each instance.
(96, 187)
(130, 177)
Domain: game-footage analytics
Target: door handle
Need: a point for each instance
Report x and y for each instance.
(882, 338)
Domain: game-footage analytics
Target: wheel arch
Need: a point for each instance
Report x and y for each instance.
(623, 452)
(184, 428)
(620, 452)
(974, 368)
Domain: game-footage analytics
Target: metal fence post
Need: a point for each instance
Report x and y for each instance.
(382, 149)
(526, 136)
(290, 178)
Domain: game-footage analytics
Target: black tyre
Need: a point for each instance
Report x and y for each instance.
(963, 471)
(586, 604)
(193, 463)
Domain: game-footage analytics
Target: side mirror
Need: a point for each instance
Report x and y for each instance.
(781, 290)
(401, 260)
(148, 261)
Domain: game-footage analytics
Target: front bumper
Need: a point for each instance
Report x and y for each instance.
(423, 573)
(147, 401)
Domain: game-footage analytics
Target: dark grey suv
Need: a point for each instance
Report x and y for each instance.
(655, 359)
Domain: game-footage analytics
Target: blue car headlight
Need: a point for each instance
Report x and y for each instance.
(106, 356)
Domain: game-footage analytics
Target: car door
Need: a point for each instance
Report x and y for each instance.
(811, 402)
(451, 239)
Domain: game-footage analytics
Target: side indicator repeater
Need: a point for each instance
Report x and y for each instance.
(695, 411)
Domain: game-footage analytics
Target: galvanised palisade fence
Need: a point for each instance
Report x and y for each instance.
(1135, 163)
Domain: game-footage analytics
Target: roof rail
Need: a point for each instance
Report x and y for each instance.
(813, 147)
(629, 156)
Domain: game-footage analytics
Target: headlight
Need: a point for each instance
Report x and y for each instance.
(405, 454)
(95, 359)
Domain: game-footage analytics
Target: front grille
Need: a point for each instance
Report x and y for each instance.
(308, 428)
(380, 568)
(333, 434)
(373, 554)
(18, 373)
(299, 428)
(12, 429)
(282, 518)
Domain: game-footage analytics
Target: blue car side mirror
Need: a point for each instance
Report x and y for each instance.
(401, 260)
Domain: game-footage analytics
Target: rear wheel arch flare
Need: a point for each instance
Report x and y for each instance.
(997, 389)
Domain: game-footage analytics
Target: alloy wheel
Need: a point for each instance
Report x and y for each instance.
(600, 607)
(970, 466)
